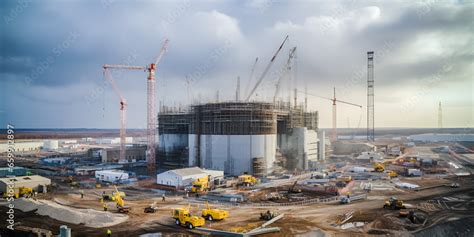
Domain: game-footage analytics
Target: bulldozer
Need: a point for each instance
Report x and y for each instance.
(247, 180)
(214, 214)
(394, 204)
(184, 218)
(120, 202)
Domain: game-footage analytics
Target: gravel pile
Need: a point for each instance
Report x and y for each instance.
(88, 217)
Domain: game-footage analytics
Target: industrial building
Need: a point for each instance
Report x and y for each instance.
(36, 182)
(51, 145)
(29, 146)
(14, 171)
(237, 137)
(111, 175)
(179, 178)
(431, 137)
(133, 153)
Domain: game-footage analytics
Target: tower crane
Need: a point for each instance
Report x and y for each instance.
(123, 107)
(334, 111)
(266, 69)
(151, 110)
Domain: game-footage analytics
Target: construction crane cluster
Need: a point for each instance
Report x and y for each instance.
(151, 108)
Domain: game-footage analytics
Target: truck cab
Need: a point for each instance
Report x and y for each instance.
(184, 218)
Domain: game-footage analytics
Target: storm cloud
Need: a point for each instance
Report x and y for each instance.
(52, 53)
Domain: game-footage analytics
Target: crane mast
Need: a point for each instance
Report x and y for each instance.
(151, 107)
(334, 110)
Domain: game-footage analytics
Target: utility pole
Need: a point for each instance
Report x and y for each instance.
(440, 117)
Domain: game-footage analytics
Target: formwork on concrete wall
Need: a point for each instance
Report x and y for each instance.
(233, 118)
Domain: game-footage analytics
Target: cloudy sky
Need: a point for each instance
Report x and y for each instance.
(52, 52)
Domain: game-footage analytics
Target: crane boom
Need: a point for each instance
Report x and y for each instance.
(266, 69)
(331, 99)
(251, 76)
(119, 66)
(108, 77)
(287, 68)
(123, 109)
(162, 51)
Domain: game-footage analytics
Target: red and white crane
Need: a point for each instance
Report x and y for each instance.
(123, 108)
(334, 111)
(151, 108)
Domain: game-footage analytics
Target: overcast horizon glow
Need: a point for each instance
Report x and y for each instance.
(52, 53)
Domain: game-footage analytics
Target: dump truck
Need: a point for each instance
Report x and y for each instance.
(200, 185)
(214, 213)
(394, 203)
(247, 180)
(184, 218)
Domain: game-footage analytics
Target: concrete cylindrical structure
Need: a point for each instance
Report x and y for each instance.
(234, 153)
(228, 136)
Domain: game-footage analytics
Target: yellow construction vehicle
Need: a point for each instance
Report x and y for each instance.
(71, 181)
(379, 167)
(345, 178)
(214, 214)
(392, 174)
(120, 202)
(247, 180)
(394, 203)
(200, 185)
(111, 197)
(184, 218)
(20, 192)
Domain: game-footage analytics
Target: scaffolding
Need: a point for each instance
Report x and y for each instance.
(228, 118)
(233, 118)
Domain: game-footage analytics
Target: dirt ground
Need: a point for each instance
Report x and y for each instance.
(298, 220)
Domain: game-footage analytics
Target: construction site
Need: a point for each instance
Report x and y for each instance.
(239, 165)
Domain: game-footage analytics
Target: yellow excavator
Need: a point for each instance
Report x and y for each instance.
(184, 218)
(120, 202)
(214, 214)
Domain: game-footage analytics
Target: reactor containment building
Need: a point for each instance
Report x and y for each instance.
(239, 137)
